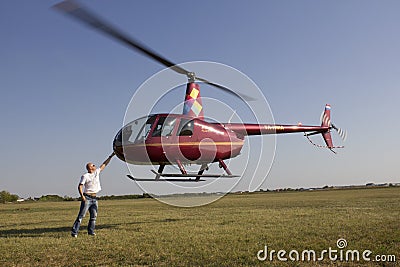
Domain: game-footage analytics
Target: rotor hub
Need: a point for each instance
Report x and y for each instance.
(191, 77)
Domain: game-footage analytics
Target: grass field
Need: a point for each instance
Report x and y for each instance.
(229, 232)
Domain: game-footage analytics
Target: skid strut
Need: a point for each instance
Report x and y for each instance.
(223, 165)
(160, 170)
(203, 167)
(183, 171)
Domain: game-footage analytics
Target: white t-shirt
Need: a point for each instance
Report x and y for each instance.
(91, 181)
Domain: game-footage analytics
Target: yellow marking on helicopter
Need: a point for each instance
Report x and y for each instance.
(194, 93)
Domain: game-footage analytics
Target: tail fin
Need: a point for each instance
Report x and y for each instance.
(192, 105)
(326, 122)
(325, 130)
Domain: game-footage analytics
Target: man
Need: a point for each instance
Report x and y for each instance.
(88, 187)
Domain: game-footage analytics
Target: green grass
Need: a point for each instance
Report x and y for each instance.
(228, 232)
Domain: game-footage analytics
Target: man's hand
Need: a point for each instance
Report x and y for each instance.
(80, 190)
(105, 163)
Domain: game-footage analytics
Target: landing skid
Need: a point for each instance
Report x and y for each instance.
(194, 175)
(180, 177)
(165, 177)
(162, 179)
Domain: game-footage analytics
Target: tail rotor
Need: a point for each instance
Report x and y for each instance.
(342, 133)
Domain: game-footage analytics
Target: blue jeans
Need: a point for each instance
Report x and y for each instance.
(89, 205)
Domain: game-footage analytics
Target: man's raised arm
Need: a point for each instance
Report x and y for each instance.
(105, 163)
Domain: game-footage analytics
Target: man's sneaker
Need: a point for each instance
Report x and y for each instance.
(93, 234)
(74, 235)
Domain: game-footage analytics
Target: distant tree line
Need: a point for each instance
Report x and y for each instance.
(51, 198)
(56, 198)
(7, 197)
(112, 197)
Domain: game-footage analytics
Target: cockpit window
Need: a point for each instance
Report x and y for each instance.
(164, 127)
(136, 130)
(186, 127)
(145, 129)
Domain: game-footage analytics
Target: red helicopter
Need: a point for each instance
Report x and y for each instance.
(187, 138)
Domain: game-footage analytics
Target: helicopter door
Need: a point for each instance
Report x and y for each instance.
(186, 128)
(164, 138)
(187, 139)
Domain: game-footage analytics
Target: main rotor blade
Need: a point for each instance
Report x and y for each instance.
(226, 89)
(88, 18)
(85, 16)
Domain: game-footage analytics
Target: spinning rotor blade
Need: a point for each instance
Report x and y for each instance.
(342, 133)
(85, 16)
(225, 89)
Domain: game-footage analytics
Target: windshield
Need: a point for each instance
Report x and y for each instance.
(135, 131)
(165, 126)
(138, 130)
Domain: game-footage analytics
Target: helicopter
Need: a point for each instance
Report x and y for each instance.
(188, 138)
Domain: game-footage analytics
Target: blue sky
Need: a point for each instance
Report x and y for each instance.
(65, 88)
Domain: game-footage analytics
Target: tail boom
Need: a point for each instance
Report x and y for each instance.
(261, 129)
(246, 129)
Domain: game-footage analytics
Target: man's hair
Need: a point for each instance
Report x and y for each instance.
(87, 166)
